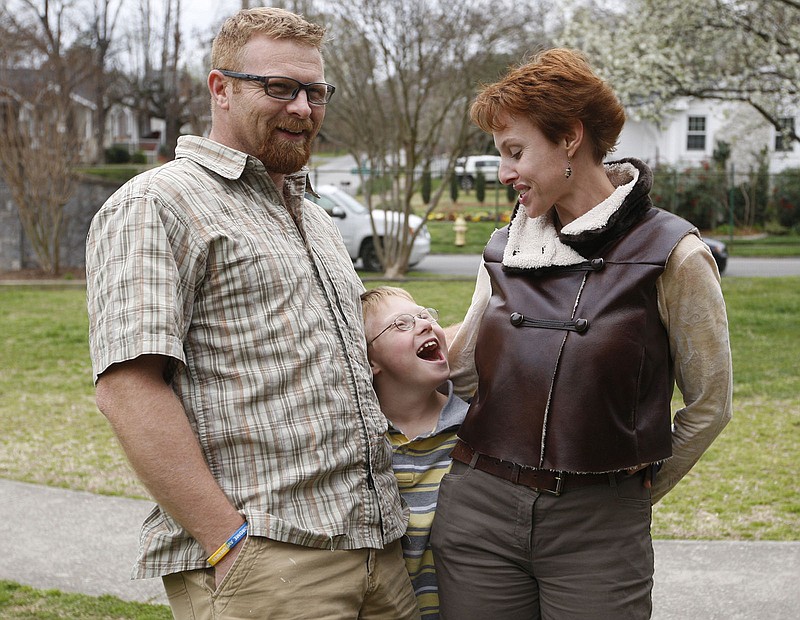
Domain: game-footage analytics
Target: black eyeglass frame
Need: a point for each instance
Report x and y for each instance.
(432, 317)
(264, 80)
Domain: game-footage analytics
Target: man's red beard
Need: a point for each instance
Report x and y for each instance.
(287, 156)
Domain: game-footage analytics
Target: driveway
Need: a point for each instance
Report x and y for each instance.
(762, 267)
(336, 171)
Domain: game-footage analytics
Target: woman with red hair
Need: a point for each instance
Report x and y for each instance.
(589, 306)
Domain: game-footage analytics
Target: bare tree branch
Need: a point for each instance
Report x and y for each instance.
(37, 163)
(406, 73)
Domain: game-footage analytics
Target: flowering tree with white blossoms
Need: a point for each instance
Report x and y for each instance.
(654, 51)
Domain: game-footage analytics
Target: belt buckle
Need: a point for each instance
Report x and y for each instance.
(559, 484)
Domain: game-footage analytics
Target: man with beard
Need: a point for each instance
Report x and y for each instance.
(229, 356)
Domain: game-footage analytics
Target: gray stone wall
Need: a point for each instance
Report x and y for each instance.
(15, 250)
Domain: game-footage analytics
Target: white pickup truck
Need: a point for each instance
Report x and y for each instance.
(352, 219)
(467, 168)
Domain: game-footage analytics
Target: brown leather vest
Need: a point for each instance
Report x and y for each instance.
(573, 362)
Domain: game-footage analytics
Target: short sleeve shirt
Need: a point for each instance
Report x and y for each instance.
(253, 297)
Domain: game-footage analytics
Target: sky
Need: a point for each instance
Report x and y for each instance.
(197, 16)
(201, 14)
(200, 19)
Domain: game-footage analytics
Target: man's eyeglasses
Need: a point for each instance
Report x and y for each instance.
(286, 88)
(406, 322)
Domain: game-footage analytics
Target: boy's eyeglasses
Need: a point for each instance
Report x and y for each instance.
(286, 88)
(406, 322)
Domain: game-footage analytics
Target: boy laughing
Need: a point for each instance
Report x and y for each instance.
(408, 355)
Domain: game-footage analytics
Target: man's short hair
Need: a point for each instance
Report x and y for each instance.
(226, 51)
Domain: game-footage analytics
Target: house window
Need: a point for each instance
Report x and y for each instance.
(696, 136)
(783, 136)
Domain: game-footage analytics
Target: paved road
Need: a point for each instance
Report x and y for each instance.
(467, 265)
(336, 171)
(79, 542)
(762, 267)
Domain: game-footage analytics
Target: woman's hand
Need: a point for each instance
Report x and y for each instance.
(648, 475)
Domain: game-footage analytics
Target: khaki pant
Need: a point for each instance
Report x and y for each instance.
(274, 580)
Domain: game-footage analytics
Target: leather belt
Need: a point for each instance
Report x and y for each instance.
(555, 482)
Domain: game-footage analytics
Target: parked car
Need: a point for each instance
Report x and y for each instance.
(720, 252)
(352, 219)
(467, 168)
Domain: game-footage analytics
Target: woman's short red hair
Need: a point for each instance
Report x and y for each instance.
(553, 90)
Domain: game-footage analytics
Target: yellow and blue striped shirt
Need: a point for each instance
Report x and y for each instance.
(419, 466)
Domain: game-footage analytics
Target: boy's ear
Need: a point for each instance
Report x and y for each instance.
(376, 369)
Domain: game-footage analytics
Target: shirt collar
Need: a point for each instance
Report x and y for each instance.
(230, 163)
(453, 412)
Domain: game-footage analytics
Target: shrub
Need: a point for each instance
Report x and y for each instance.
(698, 195)
(118, 154)
(664, 192)
(704, 195)
(704, 198)
(454, 188)
(751, 198)
(480, 187)
(426, 185)
(786, 193)
(511, 194)
(376, 185)
(139, 158)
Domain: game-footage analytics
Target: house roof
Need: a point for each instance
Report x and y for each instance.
(27, 85)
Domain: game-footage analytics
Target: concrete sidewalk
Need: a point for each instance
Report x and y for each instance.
(79, 542)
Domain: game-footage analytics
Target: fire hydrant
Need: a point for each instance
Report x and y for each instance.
(460, 228)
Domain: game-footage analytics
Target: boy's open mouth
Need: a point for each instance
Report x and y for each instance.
(430, 351)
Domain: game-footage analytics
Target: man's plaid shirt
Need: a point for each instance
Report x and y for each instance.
(253, 297)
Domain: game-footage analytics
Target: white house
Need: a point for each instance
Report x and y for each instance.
(689, 134)
(122, 128)
(22, 93)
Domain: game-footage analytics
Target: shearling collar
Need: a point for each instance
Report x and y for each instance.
(535, 243)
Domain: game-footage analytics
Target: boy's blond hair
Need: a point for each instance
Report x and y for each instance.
(226, 51)
(372, 298)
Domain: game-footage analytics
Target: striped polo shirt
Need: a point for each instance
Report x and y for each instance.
(419, 466)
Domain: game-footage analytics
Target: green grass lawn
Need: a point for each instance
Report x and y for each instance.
(23, 603)
(744, 488)
(52, 431)
(443, 237)
(773, 247)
